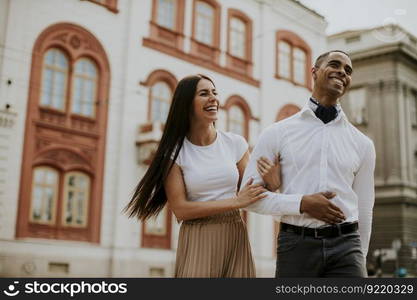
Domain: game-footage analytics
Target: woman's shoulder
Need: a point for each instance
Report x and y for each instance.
(231, 136)
(234, 140)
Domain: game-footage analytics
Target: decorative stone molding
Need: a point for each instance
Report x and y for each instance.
(7, 119)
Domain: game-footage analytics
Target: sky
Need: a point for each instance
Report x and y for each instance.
(343, 15)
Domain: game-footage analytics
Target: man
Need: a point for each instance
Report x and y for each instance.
(327, 191)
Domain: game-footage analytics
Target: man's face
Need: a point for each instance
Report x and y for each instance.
(334, 74)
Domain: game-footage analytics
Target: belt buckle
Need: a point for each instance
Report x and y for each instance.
(316, 235)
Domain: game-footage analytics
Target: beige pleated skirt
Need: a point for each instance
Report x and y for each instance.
(215, 246)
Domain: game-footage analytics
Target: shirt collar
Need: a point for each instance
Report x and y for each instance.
(310, 107)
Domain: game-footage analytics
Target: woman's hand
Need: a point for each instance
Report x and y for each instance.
(271, 173)
(250, 194)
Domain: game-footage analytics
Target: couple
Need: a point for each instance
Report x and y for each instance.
(327, 190)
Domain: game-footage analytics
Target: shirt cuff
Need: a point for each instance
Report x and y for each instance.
(291, 203)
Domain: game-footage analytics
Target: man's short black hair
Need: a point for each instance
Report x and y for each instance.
(323, 56)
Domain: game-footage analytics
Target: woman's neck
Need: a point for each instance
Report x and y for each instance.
(202, 135)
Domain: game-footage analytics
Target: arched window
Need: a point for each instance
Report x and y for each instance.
(239, 45)
(161, 84)
(299, 62)
(160, 101)
(238, 115)
(44, 195)
(293, 61)
(85, 87)
(287, 111)
(204, 31)
(65, 131)
(205, 41)
(54, 79)
(236, 120)
(284, 56)
(237, 37)
(76, 199)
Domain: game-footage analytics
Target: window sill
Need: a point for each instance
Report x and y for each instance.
(166, 36)
(238, 64)
(51, 110)
(293, 82)
(83, 118)
(204, 51)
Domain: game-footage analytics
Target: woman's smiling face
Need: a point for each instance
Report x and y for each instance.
(206, 103)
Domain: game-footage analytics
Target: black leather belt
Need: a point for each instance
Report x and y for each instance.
(322, 232)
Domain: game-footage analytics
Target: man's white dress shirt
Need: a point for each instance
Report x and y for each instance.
(317, 157)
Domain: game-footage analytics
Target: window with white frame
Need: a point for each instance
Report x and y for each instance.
(44, 195)
(204, 32)
(160, 101)
(299, 64)
(76, 198)
(237, 37)
(85, 87)
(166, 13)
(54, 79)
(236, 120)
(157, 225)
(284, 59)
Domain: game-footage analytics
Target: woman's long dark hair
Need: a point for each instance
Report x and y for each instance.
(149, 197)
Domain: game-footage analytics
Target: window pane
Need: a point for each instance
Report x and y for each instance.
(76, 104)
(70, 200)
(80, 205)
(59, 90)
(157, 225)
(237, 37)
(37, 203)
(166, 13)
(47, 88)
(49, 204)
(204, 23)
(76, 199)
(284, 59)
(236, 120)
(55, 72)
(85, 86)
(299, 66)
(161, 100)
(44, 195)
(87, 108)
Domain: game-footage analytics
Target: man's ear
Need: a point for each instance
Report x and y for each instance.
(313, 72)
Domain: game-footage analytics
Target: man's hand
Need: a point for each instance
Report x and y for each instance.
(318, 206)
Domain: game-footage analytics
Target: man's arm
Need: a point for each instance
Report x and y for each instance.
(274, 204)
(316, 205)
(363, 185)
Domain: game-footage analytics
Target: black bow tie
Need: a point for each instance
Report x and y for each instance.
(324, 113)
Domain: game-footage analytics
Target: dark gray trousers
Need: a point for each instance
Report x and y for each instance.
(305, 256)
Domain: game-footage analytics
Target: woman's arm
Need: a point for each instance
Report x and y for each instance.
(186, 210)
(241, 166)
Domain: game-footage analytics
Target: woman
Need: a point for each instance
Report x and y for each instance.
(198, 170)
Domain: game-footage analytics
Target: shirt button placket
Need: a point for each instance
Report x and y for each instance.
(323, 159)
